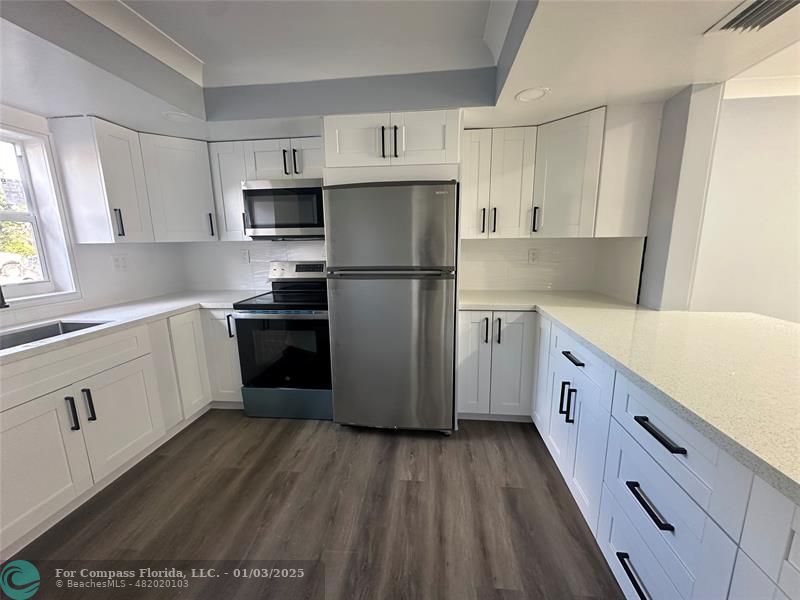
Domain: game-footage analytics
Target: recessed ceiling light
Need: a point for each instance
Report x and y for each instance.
(177, 116)
(532, 94)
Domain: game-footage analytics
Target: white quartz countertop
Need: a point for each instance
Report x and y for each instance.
(120, 316)
(734, 376)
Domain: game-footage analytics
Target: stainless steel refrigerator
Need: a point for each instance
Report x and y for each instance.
(391, 256)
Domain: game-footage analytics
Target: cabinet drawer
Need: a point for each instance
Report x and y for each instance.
(771, 536)
(711, 477)
(694, 552)
(568, 350)
(750, 583)
(30, 378)
(633, 564)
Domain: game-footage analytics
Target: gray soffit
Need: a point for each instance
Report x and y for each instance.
(381, 93)
(63, 25)
(523, 14)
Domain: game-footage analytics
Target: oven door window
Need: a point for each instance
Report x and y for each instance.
(283, 209)
(284, 353)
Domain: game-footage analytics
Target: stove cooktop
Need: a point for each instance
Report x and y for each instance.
(295, 299)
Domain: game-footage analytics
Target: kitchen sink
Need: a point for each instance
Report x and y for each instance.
(42, 332)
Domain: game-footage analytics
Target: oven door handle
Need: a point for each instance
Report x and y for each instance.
(318, 315)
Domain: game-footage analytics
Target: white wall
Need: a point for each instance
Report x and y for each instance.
(749, 253)
(609, 266)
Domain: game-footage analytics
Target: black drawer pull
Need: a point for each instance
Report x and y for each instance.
(624, 559)
(648, 507)
(564, 388)
(659, 435)
(567, 418)
(87, 393)
(573, 359)
(76, 425)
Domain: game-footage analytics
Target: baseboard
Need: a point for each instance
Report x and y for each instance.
(227, 404)
(505, 418)
(20, 543)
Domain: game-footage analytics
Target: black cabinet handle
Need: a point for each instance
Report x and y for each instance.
(228, 319)
(564, 388)
(494, 220)
(567, 418)
(648, 507)
(395, 142)
(499, 329)
(244, 221)
(211, 224)
(573, 359)
(534, 229)
(73, 412)
(285, 168)
(294, 161)
(87, 394)
(659, 435)
(624, 559)
(483, 220)
(383, 141)
(120, 224)
(486, 333)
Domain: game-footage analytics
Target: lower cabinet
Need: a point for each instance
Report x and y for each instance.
(224, 373)
(540, 403)
(189, 352)
(495, 362)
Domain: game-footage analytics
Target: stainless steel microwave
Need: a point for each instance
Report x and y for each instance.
(283, 208)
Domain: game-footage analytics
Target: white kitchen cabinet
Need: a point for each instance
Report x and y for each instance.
(476, 161)
(189, 352)
(179, 187)
(557, 436)
(512, 182)
(540, 403)
(567, 173)
(224, 373)
(43, 463)
(751, 583)
(425, 137)
(104, 179)
(227, 175)
(268, 159)
(495, 362)
(120, 414)
(307, 158)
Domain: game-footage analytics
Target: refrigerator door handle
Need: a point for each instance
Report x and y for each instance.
(337, 273)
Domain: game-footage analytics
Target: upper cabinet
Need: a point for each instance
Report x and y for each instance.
(410, 138)
(588, 175)
(104, 179)
(227, 174)
(567, 174)
(179, 186)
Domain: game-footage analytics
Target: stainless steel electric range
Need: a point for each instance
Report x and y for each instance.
(284, 344)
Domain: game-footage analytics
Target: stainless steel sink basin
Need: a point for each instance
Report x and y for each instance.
(41, 332)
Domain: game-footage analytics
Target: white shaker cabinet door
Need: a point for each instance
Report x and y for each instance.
(227, 175)
(120, 414)
(268, 159)
(558, 431)
(224, 373)
(43, 463)
(476, 160)
(567, 175)
(188, 348)
(540, 409)
(357, 140)
(179, 186)
(513, 341)
(511, 191)
(307, 158)
(424, 137)
(473, 361)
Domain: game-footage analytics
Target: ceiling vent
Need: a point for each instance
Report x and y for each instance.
(753, 15)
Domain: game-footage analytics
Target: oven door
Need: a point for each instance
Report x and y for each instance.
(278, 351)
(271, 209)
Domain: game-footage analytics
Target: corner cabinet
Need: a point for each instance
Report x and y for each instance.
(179, 186)
(408, 138)
(104, 180)
(494, 358)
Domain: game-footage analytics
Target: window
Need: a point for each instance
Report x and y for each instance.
(22, 259)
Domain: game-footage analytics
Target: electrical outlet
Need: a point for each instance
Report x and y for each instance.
(120, 262)
(531, 256)
(244, 257)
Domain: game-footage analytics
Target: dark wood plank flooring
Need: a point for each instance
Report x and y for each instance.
(481, 514)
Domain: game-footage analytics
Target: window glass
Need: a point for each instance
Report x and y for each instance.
(12, 190)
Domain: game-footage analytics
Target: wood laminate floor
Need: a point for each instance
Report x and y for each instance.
(479, 515)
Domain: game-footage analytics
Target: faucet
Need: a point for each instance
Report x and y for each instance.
(3, 303)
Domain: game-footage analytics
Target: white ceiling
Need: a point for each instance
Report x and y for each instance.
(244, 43)
(595, 52)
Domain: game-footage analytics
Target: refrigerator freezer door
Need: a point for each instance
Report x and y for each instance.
(392, 351)
(391, 225)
